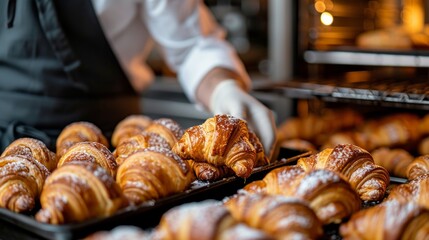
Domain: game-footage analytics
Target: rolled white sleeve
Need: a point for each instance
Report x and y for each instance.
(190, 40)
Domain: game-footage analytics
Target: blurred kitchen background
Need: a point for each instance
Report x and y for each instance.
(300, 50)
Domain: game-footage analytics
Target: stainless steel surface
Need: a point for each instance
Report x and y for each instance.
(280, 35)
(403, 59)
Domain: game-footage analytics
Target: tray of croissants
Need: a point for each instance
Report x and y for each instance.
(347, 187)
(90, 183)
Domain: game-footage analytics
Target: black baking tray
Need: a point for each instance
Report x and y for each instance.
(147, 215)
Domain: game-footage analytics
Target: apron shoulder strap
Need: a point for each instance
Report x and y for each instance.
(55, 35)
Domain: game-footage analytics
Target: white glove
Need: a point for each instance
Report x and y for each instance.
(229, 98)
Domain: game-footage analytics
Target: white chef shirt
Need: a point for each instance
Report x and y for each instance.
(189, 38)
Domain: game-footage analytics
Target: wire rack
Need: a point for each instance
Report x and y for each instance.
(387, 92)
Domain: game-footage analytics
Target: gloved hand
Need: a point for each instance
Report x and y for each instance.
(229, 98)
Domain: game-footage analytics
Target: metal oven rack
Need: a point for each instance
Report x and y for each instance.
(389, 91)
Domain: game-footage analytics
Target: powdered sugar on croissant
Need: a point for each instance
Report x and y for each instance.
(221, 140)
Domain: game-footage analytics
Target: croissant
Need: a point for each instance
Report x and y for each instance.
(220, 140)
(394, 130)
(419, 166)
(34, 148)
(92, 152)
(395, 161)
(416, 190)
(206, 220)
(127, 232)
(261, 159)
(78, 132)
(331, 197)
(279, 216)
(129, 127)
(356, 165)
(79, 191)
(388, 220)
(21, 181)
(357, 138)
(423, 146)
(316, 127)
(139, 141)
(167, 128)
(207, 172)
(423, 126)
(298, 144)
(153, 173)
(397, 129)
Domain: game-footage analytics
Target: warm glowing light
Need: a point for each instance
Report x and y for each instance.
(326, 18)
(413, 15)
(320, 6)
(329, 5)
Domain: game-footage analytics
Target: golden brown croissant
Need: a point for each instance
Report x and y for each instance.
(261, 159)
(34, 148)
(357, 138)
(356, 165)
(316, 127)
(397, 130)
(79, 191)
(121, 232)
(206, 220)
(330, 196)
(167, 128)
(129, 127)
(416, 190)
(90, 152)
(423, 126)
(279, 216)
(21, 181)
(393, 131)
(423, 146)
(388, 220)
(220, 140)
(419, 166)
(153, 173)
(78, 132)
(207, 172)
(137, 142)
(298, 144)
(395, 161)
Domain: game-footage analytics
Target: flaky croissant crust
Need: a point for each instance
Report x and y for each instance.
(356, 165)
(419, 166)
(167, 128)
(395, 161)
(128, 127)
(34, 148)
(197, 220)
(138, 142)
(221, 140)
(415, 190)
(92, 152)
(21, 182)
(388, 220)
(78, 132)
(153, 173)
(279, 216)
(79, 191)
(328, 194)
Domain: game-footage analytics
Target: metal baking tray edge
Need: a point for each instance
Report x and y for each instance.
(145, 215)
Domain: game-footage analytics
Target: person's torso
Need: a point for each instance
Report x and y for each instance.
(56, 67)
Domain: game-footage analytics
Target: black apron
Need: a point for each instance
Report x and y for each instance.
(56, 67)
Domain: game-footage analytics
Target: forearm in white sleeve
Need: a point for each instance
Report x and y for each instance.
(191, 41)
